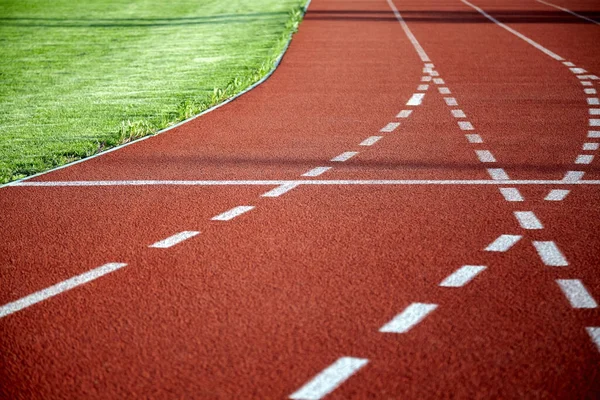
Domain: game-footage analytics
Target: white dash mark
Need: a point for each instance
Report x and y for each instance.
(462, 276)
(498, 174)
(231, 214)
(316, 171)
(573, 176)
(426, 79)
(568, 64)
(408, 318)
(54, 290)
(511, 194)
(589, 91)
(173, 240)
(450, 101)
(593, 101)
(390, 127)
(584, 159)
(473, 138)
(416, 99)
(590, 146)
(586, 83)
(429, 65)
(281, 189)
(528, 220)
(592, 77)
(422, 87)
(594, 332)
(594, 122)
(550, 254)
(438, 81)
(503, 243)
(404, 114)
(557, 194)
(576, 293)
(427, 70)
(458, 114)
(434, 73)
(485, 156)
(329, 379)
(444, 90)
(370, 141)
(465, 126)
(594, 111)
(593, 134)
(345, 156)
(578, 70)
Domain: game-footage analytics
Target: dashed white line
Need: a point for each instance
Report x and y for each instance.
(593, 134)
(426, 79)
(568, 11)
(578, 70)
(390, 127)
(485, 156)
(589, 91)
(498, 174)
(370, 141)
(434, 73)
(594, 122)
(429, 65)
(422, 87)
(408, 318)
(568, 64)
(444, 90)
(503, 243)
(329, 379)
(416, 99)
(316, 171)
(550, 254)
(458, 113)
(473, 138)
(450, 101)
(591, 77)
(279, 190)
(173, 240)
(576, 293)
(438, 81)
(586, 83)
(584, 159)
(462, 276)
(594, 111)
(511, 194)
(594, 332)
(593, 101)
(528, 220)
(465, 126)
(231, 214)
(54, 290)
(404, 114)
(591, 146)
(557, 195)
(573, 176)
(345, 156)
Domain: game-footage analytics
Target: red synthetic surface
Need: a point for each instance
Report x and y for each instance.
(257, 306)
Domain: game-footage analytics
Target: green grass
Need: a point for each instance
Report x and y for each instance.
(77, 78)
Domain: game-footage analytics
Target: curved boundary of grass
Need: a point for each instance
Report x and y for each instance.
(136, 132)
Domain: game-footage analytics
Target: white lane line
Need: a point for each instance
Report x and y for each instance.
(434, 73)
(416, 99)
(438, 81)
(528, 220)
(465, 126)
(370, 141)
(576, 293)
(426, 79)
(584, 159)
(498, 174)
(462, 276)
(427, 69)
(594, 122)
(279, 190)
(550, 254)
(404, 114)
(568, 11)
(345, 156)
(63, 286)
(593, 101)
(586, 83)
(316, 171)
(458, 113)
(173, 240)
(408, 318)
(422, 87)
(573, 176)
(485, 156)
(329, 379)
(578, 70)
(594, 111)
(568, 64)
(593, 134)
(429, 65)
(514, 32)
(557, 195)
(503, 243)
(589, 91)
(594, 332)
(474, 138)
(511, 194)
(444, 90)
(590, 146)
(424, 57)
(231, 214)
(390, 127)
(450, 101)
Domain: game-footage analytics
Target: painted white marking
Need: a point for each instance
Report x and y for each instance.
(444, 90)
(345, 156)
(404, 114)
(426, 79)
(231, 214)
(408, 318)
(568, 64)
(593, 101)
(593, 134)
(438, 81)
(390, 127)
(329, 379)
(63, 286)
(429, 65)
(528, 220)
(586, 83)
(450, 101)
(462, 276)
(423, 87)
(590, 77)
(511, 194)
(498, 174)
(503, 243)
(279, 190)
(434, 73)
(550, 254)
(465, 126)
(594, 111)
(173, 240)
(485, 156)
(578, 70)
(514, 32)
(427, 69)
(568, 11)
(576, 293)
(316, 171)
(557, 195)
(584, 159)
(589, 91)
(591, 146)
(474, 138)
(370, 141)
(424, 57)
(458, 113)
(573, 176)
(594, 332)
(416, 99)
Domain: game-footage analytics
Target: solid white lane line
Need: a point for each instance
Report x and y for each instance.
(316, 171)
(594, 122)
(528, 220)
(514, 32)
(450, 101)
(370, 141)
(576, 293)
(423, 87)
(444, 90)
(498, 174)
(438, 81)
(584, 159)
(345, 156)
(591, 146)
(279, 190)
(390, 127)
(593, 134)
(173, 240)
(424, 57)
(594, 111)
(465, 126)
(503, 243)
(569, 11)
(568, 64)
(511, 194)
(474, 138)
(404, 114)
(594, 332)
(458, 113)
(485, 156)
(573, 176)
(63, 286)
(426, 79)
(589, 91)
(578, 70)
(557, 195)
(416, 99)
(593, 101)
(550, 254)
(231, 214)
(462, 276)
(408, 318)
(329, 379)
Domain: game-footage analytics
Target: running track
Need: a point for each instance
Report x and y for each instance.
(408, 208)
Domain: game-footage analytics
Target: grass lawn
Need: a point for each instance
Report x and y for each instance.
(80, 77)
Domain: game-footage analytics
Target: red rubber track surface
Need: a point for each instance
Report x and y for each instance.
(255, 307)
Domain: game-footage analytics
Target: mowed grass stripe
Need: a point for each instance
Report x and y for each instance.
(77, 78)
